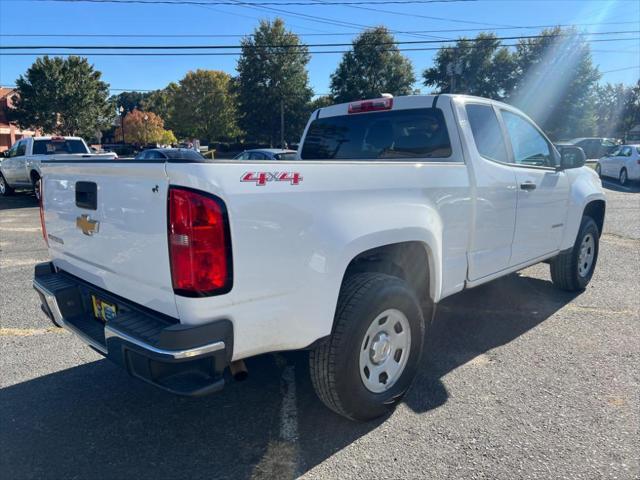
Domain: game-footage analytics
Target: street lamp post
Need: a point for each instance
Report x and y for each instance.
(121, 110)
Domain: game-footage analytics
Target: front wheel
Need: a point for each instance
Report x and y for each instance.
(572, 271)
(5, 189)
(624, 177)
(363, 370)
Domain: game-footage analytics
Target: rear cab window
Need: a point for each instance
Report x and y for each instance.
(416, 134)
(487, 134)
(55, 146)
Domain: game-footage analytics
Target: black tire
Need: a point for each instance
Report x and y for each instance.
(599, 170)
(35, 182)
(334, 364)
(623, 178)
(5, 189)
(566, 272)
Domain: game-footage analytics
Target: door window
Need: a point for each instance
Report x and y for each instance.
(21, 149)
(487, 133)
(625, 152)
(530, 148)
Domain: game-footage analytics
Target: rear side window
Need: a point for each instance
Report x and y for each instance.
(391, 135)
(52, 147)
(487, 133)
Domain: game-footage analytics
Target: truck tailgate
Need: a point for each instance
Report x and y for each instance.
(117, 240)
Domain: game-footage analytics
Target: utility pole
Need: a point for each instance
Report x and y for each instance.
(281, 123)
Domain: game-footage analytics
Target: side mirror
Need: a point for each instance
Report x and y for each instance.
(572, 157)
(5, 154)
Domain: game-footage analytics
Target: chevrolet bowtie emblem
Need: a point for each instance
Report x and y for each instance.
(88, 226)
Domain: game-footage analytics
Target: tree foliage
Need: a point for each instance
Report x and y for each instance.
(129, 101)
(204, 106)
(143, 128)
(550, 77)
(612, 110)
(372, 67)
(480, 67)
(273, 73)
(161, 102)
(65, 96)
(556, 83)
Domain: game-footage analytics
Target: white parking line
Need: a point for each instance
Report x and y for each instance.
(289, 409)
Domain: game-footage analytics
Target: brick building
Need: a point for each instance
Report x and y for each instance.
(9, 132)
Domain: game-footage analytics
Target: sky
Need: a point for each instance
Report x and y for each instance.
(154, 24)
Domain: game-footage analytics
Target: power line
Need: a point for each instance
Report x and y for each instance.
(241, 35)
(310, 45)
(245, 3)
(215, 54)
(621, 69)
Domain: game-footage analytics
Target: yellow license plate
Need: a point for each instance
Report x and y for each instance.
(103, 311)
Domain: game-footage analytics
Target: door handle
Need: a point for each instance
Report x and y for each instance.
(528, 186)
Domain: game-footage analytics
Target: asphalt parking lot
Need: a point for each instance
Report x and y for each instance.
(520, 380)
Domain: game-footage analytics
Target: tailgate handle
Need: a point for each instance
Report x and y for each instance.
(87, 195)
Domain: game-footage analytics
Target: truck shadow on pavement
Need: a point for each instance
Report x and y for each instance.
(94, 421)
(21, 199)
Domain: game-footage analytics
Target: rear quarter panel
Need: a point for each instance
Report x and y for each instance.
(292, 243)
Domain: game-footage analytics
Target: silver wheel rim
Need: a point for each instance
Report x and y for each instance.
(385, 350)
(587, 254)
(2, 185)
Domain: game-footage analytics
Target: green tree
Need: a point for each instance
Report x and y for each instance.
(556, 83)
(64, 96)
(631, 112)
(479, 67)
(205, 106)
(273, 80)
(130, 101)
(161, 102)
(611, 102)
(372, 67)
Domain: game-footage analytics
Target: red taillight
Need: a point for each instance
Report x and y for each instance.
(199, 243)
(41, 202)
(371, 105)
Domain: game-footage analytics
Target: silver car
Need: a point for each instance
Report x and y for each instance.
(623, 164)
(267, 154)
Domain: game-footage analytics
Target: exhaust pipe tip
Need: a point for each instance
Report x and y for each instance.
(239, 370)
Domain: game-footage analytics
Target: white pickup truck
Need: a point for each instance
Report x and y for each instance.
(20, 167)
(179, 269)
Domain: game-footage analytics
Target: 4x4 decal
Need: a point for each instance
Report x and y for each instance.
(261, 178)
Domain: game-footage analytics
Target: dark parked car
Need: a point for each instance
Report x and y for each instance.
(169, 154)
(593, 147)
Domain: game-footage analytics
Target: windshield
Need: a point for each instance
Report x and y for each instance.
(183, 154)
(286, 156)
(55, 146)
(401, 134)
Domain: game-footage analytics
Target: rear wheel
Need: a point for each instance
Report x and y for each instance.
(599, 170)
(623, 178)
(5, 189)
(363, 370)
(35, 181)
(572, 271)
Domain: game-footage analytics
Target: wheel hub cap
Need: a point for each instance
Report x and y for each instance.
(586, 255)
(385, 350)
(380, 348)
